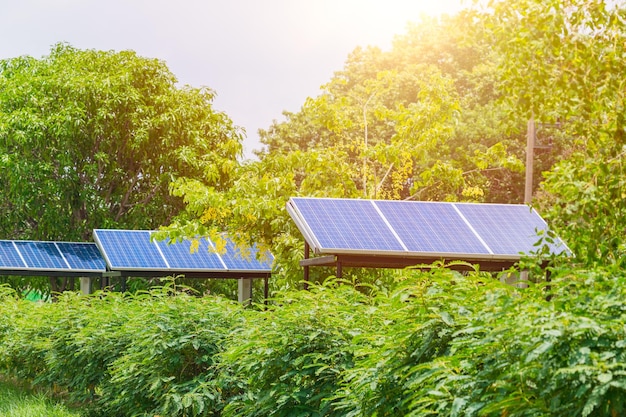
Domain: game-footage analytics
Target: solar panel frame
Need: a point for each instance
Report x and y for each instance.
(302, 210)
(311, 233)
(166, 252)
(32, 256)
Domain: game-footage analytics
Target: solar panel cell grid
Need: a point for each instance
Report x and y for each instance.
(9, 257)
(507, 229)
(82, 256)
(41, 255)
(430, 227)
(235, 260)
(179, 255)
(343, 223)
(130, 249)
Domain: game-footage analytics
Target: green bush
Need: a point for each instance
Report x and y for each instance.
(170, 367)
(425, 317)
(89, 335)
(288, 360)
(24, 336)
(441, 343)
(473, 347)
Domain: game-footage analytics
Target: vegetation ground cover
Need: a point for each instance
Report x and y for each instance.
(18, 402)
(440, 343)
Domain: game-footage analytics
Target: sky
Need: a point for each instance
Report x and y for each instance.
(261, 57)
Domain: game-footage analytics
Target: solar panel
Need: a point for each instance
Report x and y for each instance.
(418, 229)
(506, 228)
(129, 250)
(236, 260)
(132, 250)
(179, 255)
(344, 224)
(41, 255)
(9, 256)
(29, 255)
(431, 227)
(82, 256)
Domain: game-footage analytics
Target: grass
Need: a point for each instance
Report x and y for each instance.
(17, 402)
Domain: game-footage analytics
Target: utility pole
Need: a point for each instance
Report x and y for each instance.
(530, 156)
(365, 144)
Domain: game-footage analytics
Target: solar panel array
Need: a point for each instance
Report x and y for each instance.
(415, 228)
(127, 250)
(25, 255)
(134, 250)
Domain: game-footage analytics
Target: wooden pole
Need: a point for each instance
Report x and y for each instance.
(530, 156)
(307, 251)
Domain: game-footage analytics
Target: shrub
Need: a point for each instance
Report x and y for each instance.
(288, 360)
(441, 344)
(170, 368)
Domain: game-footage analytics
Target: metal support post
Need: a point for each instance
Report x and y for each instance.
(85, 285)
(244, 287)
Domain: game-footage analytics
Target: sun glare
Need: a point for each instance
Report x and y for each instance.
(382, 18)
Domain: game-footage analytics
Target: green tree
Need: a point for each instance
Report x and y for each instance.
(563, 61)
(93, 139)
(390, 125)
(420, 121)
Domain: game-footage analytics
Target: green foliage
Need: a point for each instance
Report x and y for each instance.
(16, 401)
(563, 61)
(441, 343)
(92, 139)
(148, 354)
(170, 367)
(289, 359)
(479, 348)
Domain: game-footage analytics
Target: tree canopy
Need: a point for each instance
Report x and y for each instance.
(562, 61)
(413, 122)
(420, 121)
(93, 139)
(442, 116)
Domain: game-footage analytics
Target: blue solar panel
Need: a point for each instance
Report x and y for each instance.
(506, 229)
(9, 256)
(236, 260)
(377, 227)
(129, 250)
(431, 227)
(133, 250)
(346, 224)
(179, 256)
(82, 256)
(41, 255)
